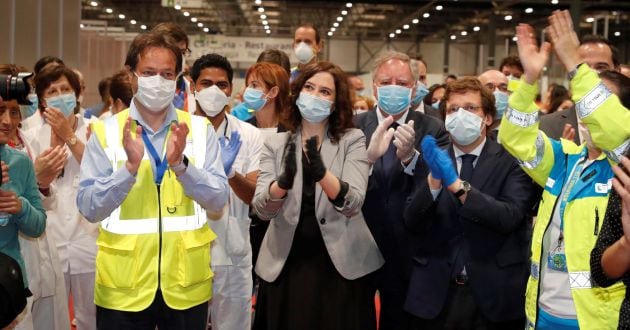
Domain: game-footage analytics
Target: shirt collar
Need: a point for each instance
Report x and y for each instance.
(171, 116)
(477, 151)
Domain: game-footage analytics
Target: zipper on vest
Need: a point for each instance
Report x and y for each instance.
(159, 237)
(540, 259)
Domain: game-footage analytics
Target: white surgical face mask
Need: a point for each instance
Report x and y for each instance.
(212, 100)
(464, 126)
(155, 93)
(303, 52)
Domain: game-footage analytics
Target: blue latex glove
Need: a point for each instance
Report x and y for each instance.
(178, 100)
(439, 161)
(229, 150)
(241, 112)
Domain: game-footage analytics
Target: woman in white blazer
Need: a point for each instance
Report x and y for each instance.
(318, 252)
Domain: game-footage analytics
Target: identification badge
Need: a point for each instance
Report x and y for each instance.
(557, 261)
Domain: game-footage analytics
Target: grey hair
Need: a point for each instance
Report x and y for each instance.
(393, 55)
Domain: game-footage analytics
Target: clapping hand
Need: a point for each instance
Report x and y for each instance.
(438, 160)
(176, 144)
(380, 140)
(532, 58)
(49, 164)
(229, 150)
(564, 39)
(289, 164)
(315, 164)
(134, 147)
(404, 139)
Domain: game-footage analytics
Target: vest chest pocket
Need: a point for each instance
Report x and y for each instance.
(116, 260)
(194, 257)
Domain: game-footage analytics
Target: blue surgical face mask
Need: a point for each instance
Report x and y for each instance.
(463, 126)
(29, 110)
(421, 92)
(313, 108)
(436, 105)
(500, 102)
(393, 99)
(64, 103)
(254, 98)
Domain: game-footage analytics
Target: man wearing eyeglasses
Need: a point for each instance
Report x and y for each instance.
(147, 175)
(497, 83)
(184, 98)
(470, 268)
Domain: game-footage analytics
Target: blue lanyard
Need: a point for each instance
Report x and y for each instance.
(574, 177)
(160, 165)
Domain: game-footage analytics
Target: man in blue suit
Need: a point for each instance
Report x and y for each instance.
(394, 132)
(470, 266)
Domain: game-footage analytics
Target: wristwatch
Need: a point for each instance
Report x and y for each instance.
(464, 188)
(573, 72)
(72, 140)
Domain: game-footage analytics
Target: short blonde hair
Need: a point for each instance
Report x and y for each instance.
(391, 55)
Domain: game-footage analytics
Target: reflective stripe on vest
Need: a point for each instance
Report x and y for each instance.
(195, 146)
(580, 280)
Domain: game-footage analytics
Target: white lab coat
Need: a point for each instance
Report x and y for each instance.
(230, 307)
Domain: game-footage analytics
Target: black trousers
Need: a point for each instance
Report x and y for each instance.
(460, 312)
(158, 314)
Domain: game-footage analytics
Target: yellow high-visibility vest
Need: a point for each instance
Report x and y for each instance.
(158, 237)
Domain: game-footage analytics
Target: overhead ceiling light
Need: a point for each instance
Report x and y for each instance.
(464, 33)
(121, 16)
(109, 10)
(554, 2)
(206, 30)
(258, 2)
(514, 38)
(266, 27)
(193, 19)
(94, 4)
(200, 24)
(261, 9)
(265, 22)
(508, 17)
(391, 35)
(476, 28)
(439, 7)
(333, 29)
(268, 31)
(529, 10)
(330, 34)
(590, 20)
(144, 27)
(426, 15)
(406, 26)
(617, 33)
(453, 37)
(339, 19)
(81, 25)
(415, 21)
(133, 22)
(263, 16)
(186, 14)
(178, 7)
(349, 4)
(398, 31)
(344, 12)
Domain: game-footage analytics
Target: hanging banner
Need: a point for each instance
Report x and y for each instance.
(238, 49)
(183, 3)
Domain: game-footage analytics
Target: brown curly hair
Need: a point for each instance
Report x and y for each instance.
(470, 84)
(340, 119)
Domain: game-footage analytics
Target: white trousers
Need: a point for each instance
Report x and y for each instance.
(81, 287)
(231, 304)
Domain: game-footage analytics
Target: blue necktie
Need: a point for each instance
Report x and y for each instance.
(389, 158)
(466, 171)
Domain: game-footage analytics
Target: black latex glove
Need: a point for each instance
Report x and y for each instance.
(286, 178)
(315, 164)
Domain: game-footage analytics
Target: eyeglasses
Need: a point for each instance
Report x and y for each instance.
(501, 87)
(166, 75)
(467, 107)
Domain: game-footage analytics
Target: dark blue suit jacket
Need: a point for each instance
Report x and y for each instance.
(490, 228)
(387, 191)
